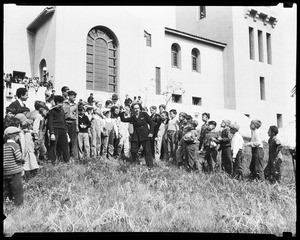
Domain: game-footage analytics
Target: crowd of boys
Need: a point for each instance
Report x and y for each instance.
(60, 129)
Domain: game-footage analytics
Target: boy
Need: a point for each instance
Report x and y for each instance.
(256, 165)
(237, 143)
(10, 113)
(97, 124)
(172, 130)
(109, 131)
(12, 166)
(190, 138)
(210, 147)
(160, 140)
(156, 118)
(83, 136)
(71, 115)
(273, 169)
(124, 143)
(58, 130)
(225, 146)
(204, 127)
(184, 128)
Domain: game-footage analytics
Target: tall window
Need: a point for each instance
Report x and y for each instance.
(101, 60)
(157, 80)
(202, 12)
(260, 46)
(279, 120)
(262, 88)
(175, 50)
(196, 60)
(269, 48)
(148, 38)
(251, 43)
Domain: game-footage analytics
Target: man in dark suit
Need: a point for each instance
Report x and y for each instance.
(141, 133)
(22, 96)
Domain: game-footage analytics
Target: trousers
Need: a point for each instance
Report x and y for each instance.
(13, 188)
(256, 165)
(135, 146)
(83, 141)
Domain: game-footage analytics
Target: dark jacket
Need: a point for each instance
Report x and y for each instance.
(16, 105)
(226, 137)
(56, 119)
(140, 126)
(156, 118)
(84, 120)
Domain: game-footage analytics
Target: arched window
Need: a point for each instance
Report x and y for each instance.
(196, 60)
(101, 60)
(175, 56)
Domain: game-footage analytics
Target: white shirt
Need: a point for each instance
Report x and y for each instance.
(173, 124)
(256, 140)
(237, 143)
(21, 102)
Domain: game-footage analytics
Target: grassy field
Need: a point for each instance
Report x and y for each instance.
(99, 196)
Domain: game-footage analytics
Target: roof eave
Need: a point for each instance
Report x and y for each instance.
(40, 19)
(194, 37)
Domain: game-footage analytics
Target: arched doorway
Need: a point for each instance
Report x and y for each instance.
(43, 71)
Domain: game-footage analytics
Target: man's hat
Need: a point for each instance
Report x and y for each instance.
(11, 130)
(114, 96)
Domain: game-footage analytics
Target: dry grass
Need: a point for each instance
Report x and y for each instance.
(97, 196)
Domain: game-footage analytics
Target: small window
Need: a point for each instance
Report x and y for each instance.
(260, 46)
(197, 101)
(251, 43)
(148, 38)
(175, 50)
(262, 88)
(247, 115)
(279, 120)
(202, 12)
(157, 80)
(176, 98)
(195, 60)
(269, 48)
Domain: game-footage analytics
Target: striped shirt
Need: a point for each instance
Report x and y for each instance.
(11, 158)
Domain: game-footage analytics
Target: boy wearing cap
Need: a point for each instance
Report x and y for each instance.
(210, 147)
(204, 129)
(71, 114)
(83, 135)
(256, 165)
(58, 130)
(12, 167)
(115, 100)
(237, 143)
(273, 169)
(225, 146)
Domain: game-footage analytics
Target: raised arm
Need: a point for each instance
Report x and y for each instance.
(123, 119)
